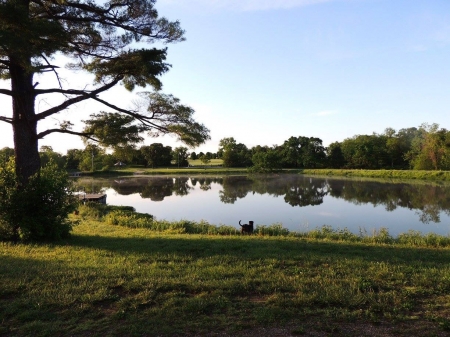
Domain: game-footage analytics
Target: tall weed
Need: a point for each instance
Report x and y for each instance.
(127, 217)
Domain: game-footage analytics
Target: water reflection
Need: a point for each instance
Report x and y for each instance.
(428, 201)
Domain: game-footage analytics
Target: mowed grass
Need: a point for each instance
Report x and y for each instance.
(198, 162)
(195, 167)
(116, 281)
(385, 174)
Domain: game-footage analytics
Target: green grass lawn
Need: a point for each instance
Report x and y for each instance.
(384, 174)
(198, 162)
(197, 167)
(117, 281)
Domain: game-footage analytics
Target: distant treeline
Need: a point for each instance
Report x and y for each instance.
(424, 148)
(95, 158)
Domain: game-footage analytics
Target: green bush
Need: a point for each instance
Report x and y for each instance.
(129, 219)
(38, 211)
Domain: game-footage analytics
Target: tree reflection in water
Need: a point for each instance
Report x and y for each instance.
(427, 200)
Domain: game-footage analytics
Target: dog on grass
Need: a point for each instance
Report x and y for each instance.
(246, 228)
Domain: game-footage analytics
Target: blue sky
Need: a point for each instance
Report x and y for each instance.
(262, 71)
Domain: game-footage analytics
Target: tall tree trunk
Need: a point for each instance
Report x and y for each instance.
(24, 124)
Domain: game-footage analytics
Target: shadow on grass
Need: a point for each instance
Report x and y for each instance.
(53, 293)
(264, 248)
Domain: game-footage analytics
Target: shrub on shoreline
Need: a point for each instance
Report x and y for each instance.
(385, 174)
(39, 210)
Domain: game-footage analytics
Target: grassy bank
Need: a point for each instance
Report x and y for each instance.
(390, 174)
(112, 280)
(382, 174)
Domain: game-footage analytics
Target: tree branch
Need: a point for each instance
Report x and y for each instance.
(50, 67)
(6, 119)
(49, 131)
(140, 117)
(6, 63)
(5, 92)
(82, 96)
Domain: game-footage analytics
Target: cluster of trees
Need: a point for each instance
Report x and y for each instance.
(424, 148)
(296, 152)
(95, 158)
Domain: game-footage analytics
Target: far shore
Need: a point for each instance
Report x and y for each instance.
(209, 170)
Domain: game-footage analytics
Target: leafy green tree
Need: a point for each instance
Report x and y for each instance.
(219, 154)
(205, 159)
(107, 161)
(313, 154)
(92, 158)
(73, 157)
(366, 152)
(109, 40)
(397, 146)
(48, 155)
(193, 155)
(266, 160)
(291, 152)
(234, 154)
(306, 152)
(125, 154)
(180, 156)
(430, 148)
(157, 154)
(5, 154)
(335, 158)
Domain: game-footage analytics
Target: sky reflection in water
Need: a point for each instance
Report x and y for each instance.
(298, 202)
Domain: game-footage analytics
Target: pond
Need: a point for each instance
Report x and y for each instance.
(300, 203)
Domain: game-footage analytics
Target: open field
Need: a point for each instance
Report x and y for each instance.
(198, 162)
(117, 281)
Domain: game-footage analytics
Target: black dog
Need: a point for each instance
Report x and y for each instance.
(246, 228)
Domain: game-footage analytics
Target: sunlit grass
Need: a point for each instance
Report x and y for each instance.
(115, 280)
(174, 170)
(390, 174)
(212, 162)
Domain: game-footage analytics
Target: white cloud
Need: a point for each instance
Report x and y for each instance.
(248, 5)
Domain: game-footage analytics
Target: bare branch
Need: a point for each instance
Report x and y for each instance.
(52, 68)
(5, 92)
(6, 119)
(145, 120)
(63, 91)
(82, 96)
(81, 134)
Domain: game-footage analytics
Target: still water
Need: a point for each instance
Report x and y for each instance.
(298, 202)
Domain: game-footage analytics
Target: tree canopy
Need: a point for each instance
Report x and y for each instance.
(108, 39)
